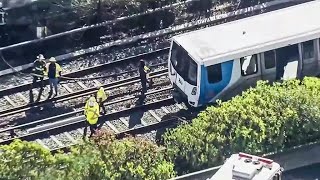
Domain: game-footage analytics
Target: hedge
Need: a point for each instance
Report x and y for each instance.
(263, 119)
(104, 158)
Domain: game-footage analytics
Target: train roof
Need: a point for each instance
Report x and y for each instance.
(253, 35)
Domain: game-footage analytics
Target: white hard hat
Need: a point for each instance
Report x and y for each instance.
(92, 101)
(98, 86)
(40, 57)
(52, 59)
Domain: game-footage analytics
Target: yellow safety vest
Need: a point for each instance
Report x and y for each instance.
(102, 95)
(146, 69)
(92, 113)
(58, 69)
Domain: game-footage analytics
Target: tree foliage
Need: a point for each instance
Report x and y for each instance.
(263, 119)
(105, 158)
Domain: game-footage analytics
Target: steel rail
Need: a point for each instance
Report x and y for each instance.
(82, 72)
(70, 114)
(165, 123)
(80, 93)
(103, 118)
(217, 19)
(105, 23)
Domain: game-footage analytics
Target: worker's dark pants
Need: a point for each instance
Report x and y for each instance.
(40, 83)
(102, 106)
(93, 128)
(144, 86)
(34, 84)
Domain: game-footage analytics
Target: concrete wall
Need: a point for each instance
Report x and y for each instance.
(290, 159)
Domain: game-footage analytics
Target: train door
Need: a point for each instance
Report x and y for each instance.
(310, 63)
(287, 62)
(250, 70)
(268, 65)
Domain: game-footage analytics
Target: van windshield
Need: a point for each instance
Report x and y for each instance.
(185, 66)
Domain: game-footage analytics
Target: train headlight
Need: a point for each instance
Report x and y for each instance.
(194, 91)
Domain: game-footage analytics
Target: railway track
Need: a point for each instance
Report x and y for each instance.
(116, 29)
(137, 44)
(110, 72)
(152, 131)
(121, 102)
(22, 97)
(66, 131)
(28, 130)
(78, 66)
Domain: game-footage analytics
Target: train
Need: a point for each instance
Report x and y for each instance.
(220, 62)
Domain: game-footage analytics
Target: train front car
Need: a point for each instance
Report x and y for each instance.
(184, 75)
(194, 83)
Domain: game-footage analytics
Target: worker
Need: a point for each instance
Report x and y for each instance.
(101, 97)
(92, 113)
(53, 72)
(143, 71)
(38, 72)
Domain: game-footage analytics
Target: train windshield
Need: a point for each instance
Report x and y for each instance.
(1, 18)
(184, 64)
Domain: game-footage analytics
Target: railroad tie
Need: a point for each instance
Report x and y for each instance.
(124, 121)
(97, 82)
(67, 88)
(112, 127)
(42, 144)
(23, 97)
(165, 110)
(82, 85)
(143, 122)
(70, 137)
(80, 131)
(179, 106)
(57, 141)
(10, 101)
(155, 115)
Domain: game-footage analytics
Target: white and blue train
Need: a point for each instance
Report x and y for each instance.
(220, 62)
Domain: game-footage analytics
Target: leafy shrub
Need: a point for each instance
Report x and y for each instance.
(263, 119)
(105, 158)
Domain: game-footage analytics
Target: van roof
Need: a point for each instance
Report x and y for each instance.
(243, 168)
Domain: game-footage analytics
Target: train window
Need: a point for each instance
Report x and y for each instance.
(269, 59)
(192, 72)
(214, 73)
(178, 59)
(174, 54)
(184, 64)
(276, 177)
(249, 65)
(1, 18)
(308, 50)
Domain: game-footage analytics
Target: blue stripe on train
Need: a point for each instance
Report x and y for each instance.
(209, 90)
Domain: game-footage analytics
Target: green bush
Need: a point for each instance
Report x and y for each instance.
(263, 119)
(105, 158)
